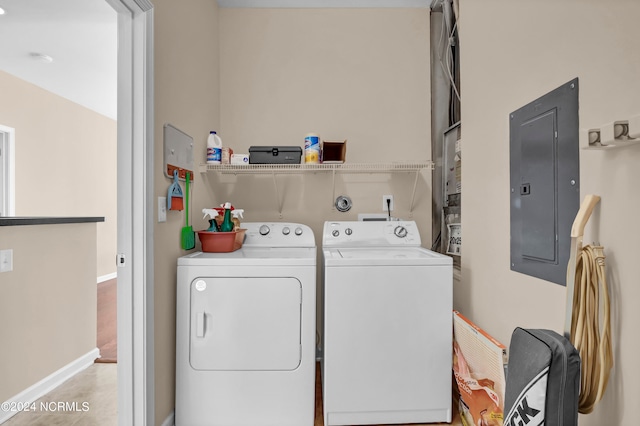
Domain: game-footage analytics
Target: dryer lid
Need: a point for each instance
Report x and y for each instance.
(253, 256)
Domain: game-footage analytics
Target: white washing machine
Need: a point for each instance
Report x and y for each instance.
(387, 326)
(245, 331)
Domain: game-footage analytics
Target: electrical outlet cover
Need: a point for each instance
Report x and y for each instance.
(384, 203)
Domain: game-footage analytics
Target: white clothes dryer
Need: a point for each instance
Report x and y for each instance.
(387, 326)
(245, 331)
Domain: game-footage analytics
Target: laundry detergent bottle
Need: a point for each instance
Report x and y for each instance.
(214, 148)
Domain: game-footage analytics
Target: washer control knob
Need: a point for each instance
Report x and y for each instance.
(264, 230)
(286, 230)
(298, 231)
(348, 231)
(400, 231)
(335, 232)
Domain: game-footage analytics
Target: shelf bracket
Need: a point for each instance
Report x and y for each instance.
(413, 193)
(278, 202)
(333, 190)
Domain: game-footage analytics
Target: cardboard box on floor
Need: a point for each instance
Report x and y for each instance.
(479, 363)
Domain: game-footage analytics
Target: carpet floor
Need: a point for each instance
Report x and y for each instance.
(107, 340)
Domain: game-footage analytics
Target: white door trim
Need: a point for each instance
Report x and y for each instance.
(136, 400)
(8, 178)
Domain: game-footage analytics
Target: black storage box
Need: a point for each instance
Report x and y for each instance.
(275, 154)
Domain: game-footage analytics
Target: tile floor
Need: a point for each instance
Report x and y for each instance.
(89, 399)
(96, 390)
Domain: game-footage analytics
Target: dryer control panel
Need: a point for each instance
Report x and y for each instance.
(367, 234)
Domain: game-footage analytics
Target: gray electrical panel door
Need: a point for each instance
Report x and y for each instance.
(545, 189)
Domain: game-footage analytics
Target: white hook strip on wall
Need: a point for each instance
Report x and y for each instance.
(611, 135)
(634, 127)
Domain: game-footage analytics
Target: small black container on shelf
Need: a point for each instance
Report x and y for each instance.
(275, 154)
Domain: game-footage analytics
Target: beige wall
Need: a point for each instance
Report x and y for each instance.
(186, 95)
(355, 74)
(512, 52)
(48, 314)
(65, 160)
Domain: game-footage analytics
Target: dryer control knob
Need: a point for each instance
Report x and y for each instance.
(286, 230)
(264, 230)
(400, 231)
(298, 231)
(348, 231)
(335, 232)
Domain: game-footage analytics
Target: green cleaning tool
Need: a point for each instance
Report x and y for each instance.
(188, 237)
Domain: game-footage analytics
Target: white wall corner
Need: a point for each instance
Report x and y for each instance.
(170, 420)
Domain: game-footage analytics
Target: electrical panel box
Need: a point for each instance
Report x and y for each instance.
(545, 183)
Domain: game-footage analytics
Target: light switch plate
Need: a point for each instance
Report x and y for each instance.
(6, 260)
(162, 209)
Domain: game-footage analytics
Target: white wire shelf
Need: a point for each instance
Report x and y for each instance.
(312, 168)
(330, 168)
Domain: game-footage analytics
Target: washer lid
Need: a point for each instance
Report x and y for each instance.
(253, 256)
(384, 256)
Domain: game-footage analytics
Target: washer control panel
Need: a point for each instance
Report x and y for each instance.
(362, 234)
(276, 234)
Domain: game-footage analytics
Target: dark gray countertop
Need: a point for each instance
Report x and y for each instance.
(45, 220)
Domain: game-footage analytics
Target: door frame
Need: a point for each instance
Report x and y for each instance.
(136, 397)
(8, 181)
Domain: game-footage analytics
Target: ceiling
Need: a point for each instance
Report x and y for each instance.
(81, 38)
(324, 3)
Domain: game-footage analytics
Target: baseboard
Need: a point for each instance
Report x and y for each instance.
(103, 278)
(170, 420)
(47, 384)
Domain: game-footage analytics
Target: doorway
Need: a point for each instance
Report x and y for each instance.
(135, 212)
(135, 215)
